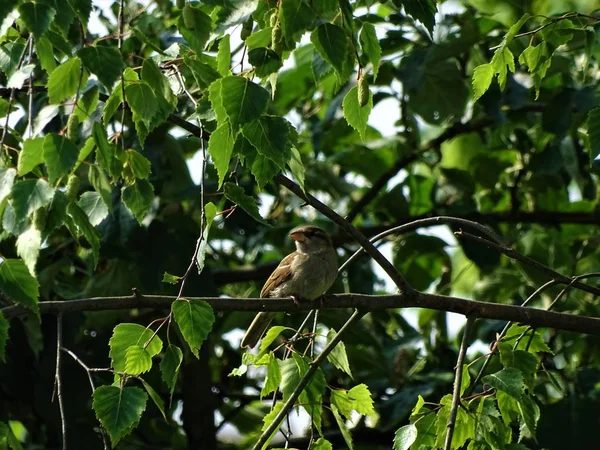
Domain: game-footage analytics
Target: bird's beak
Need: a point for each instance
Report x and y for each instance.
(298, 236)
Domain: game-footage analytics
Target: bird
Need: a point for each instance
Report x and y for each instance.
(305, 274)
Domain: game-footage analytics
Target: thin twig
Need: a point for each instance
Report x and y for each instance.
(314, 366)
(121, 26)
(57, 380)
(513, 254)
(457, 382)
(88, 371)
(422, 223)
(30, 93)
(401, 283)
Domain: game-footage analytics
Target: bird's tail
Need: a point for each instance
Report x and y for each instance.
(256, 329)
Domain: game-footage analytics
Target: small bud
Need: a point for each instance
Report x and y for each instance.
(73, 127)
(73, 187)
(277, 39)
(274, 18)
(188, 16)
(363, 91)
(246, 29)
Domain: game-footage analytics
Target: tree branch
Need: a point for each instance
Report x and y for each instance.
(477, 309)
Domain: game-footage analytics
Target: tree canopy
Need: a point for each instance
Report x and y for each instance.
(155, 155)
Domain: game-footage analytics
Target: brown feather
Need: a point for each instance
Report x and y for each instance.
(282, 273)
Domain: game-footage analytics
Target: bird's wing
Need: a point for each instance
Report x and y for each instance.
(281, 274)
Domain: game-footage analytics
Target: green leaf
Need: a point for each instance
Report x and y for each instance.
(220, 148)
(45, 53)
(197, 37)
(28, 196)
(269, 135)
(104, 62)
(268, 419)
(263, 170)
(363, 401)
(530, 413)
(297, 168)
(171, 279)
(87, 104)
(100, 183)
(203, 73)
(260, 38)
(292, 371)
(338, 356)
(268, 339)
(405, 437)
(265, 61)
(333, 45)
(142, 100)
(593, 127)
(92, 204)
(422, 10)
(7, 180)
(155, 397)
(4, 326)
(138, 198)
(224, 56)
(508, 406)
(37, 17)
(502, 61)
(170, 364)
(10, 55)
(7, 437)
(236, 195)
(6, 7)
(83, 8)
(296, 16)
(482, 78)
(357, 116)
(60, 155)
(464, 428)
(105, 152)
(119, 410)
(28, 247)
(508, 380)
(370, 46)
(465, 380)
(126, 335)
(17, 283)
(343, 402)
(137, 360)
(534, 345)
(321, 444)
(17, 80)
(342, 426)
(273, 378)
(514, 29)
(138, 163)
(63, 81)
(195, 319)
(243, 101)
(83, 227)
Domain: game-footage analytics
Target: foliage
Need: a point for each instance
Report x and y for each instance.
(106, 123)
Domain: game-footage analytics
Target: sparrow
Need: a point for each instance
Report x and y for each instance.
(305, 274)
